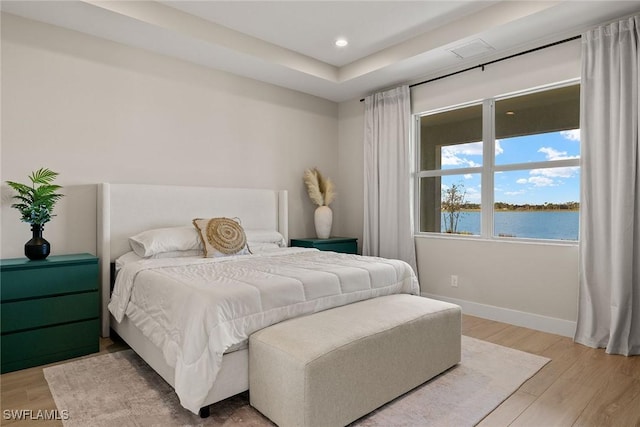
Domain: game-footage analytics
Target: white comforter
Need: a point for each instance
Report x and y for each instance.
(195, 309)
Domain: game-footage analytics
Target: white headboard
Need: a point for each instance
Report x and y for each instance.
(127, 209)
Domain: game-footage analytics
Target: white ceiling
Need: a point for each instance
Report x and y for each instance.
(291, 43)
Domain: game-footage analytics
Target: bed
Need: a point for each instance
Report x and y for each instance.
(268, 285)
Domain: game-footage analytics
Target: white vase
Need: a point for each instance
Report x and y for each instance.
(323, 218)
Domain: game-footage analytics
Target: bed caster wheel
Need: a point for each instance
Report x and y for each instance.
(205, 412)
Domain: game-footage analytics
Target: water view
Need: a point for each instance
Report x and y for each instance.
(560, 225)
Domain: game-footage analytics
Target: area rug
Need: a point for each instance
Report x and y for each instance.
(120, 389)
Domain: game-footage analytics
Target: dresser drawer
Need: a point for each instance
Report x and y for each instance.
(34, 313)
(348, 245)
(345, 247)
(36, 347)
(38, 282)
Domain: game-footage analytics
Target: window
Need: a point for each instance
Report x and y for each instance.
(451, 156)
(504, 168)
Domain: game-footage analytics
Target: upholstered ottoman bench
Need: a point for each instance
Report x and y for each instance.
(332, 367)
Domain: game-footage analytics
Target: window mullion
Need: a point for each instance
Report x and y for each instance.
(416, 175)
(446, 172)
(487, 193)
(546, 164)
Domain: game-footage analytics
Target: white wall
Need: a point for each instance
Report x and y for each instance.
(97, 111)
(527, 284)
(533, 285)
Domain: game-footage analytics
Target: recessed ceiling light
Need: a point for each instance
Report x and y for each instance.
(341, 42)
(510, 113)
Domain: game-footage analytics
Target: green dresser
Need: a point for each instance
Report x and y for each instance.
(49, 310)
(348, 245)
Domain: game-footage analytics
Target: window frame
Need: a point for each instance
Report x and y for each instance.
(487, 170)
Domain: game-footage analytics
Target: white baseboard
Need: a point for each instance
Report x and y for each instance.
(552, 325)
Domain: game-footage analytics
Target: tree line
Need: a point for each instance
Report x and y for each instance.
(502, 206)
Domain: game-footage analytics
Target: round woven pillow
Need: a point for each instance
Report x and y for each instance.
(226, 235)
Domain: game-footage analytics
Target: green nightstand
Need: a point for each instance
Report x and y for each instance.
(50, 310)
(348, 245)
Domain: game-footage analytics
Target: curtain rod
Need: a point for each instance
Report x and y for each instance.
(494, 61)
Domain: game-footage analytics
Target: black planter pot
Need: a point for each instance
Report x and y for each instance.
(37, 247)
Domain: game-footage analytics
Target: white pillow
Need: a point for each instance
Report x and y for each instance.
(127, 258)
(178, 254)
(265, 236)
(131, 256)
(160, 240)
(262, 247)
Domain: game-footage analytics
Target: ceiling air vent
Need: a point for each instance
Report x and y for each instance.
(473, 48)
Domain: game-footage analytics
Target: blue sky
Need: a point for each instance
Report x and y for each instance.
(535, 186)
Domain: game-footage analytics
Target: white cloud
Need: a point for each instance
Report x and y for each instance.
(514, 193)
(449, 159)
(566, 172)
(499, 149)
(468, 176)
(453, 155)
(473, 194)
(541, 181)
(469, 149)
(537, 181)
(571, 135)
(553, 154)
(548, 177)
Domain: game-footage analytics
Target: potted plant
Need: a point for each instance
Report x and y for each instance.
(35, 203)
(321, 192)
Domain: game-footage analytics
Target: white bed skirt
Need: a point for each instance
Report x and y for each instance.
(232, 379)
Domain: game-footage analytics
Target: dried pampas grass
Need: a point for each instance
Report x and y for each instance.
(320, 189)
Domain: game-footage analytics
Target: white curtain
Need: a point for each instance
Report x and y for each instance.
(609, 303)
(388, 206)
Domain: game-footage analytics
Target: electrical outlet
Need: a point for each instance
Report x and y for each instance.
(454, 280)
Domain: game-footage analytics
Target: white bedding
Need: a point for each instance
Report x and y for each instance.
(195, 309)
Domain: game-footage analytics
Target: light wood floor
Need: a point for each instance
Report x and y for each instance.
(581, 386)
